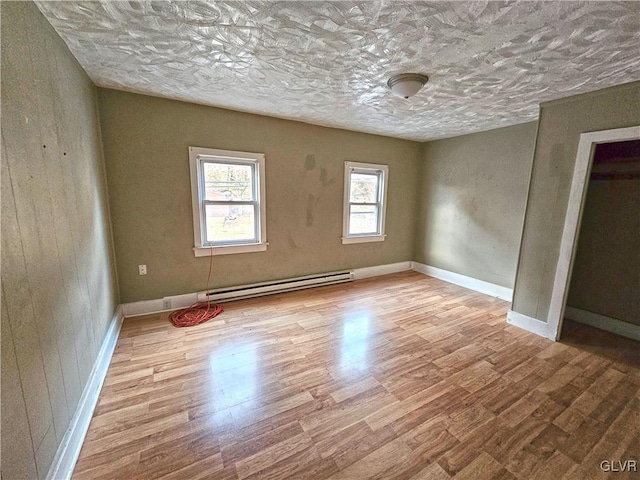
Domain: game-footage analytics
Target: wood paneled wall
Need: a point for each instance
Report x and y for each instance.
(58, 279)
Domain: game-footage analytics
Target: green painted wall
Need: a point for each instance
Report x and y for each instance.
(560, 126)
(146, 142)
(59, 290)
(472, 199)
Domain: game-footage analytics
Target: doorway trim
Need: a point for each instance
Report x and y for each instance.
(573, 219)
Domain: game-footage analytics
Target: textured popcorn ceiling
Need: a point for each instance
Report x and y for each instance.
(327, 63)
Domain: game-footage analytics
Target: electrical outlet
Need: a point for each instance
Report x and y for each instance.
(142, 269)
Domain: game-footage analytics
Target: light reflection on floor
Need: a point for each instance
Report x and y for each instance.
(355, 343)
(236, 371)
(235, 377)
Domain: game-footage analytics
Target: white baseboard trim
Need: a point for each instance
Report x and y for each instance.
(158, 305)
(69, 449)
(366, 272)
(603, 322)
(481, 286)
(530, 324)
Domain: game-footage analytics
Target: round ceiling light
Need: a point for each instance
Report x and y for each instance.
(406, 85)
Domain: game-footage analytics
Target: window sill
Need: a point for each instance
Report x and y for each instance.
(363, 239)
(230, 249)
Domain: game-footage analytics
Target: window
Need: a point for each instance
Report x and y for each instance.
(228, 194)
(365, 193)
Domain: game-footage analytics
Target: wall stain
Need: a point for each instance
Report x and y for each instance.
(310, 162)
(291, 240)
(312, 201)
(324, 178)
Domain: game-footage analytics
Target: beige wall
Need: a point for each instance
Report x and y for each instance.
(472, 199)
(146, 142)
(560, 125)
(58, 283)
(606, 271)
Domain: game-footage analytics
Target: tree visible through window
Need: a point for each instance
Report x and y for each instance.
(363, 204)
(229, 218)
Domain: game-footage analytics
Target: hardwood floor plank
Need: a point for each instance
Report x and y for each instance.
(484, 467)
(273, 454)
(556, 466)
(395, 410)
(395, 377)
(431, 472)
(569, 420)
(467, 420)
(354, 389)
(354, 443)
(171, 456)
(208, 467)
(340, 415)
(615, 444)
(305, 465)
(475, 376)
(250, 445)
(378, 460)
(127, 465)
(559, 379)
(523, 408)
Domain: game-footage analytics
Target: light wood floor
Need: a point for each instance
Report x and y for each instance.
(402, 376)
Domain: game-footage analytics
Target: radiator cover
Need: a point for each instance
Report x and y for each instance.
(275, 286)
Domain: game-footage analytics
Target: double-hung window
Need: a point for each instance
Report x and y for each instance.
(228, 197)
(365, 194)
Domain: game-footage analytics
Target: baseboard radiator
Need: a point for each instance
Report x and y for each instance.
(275, 286)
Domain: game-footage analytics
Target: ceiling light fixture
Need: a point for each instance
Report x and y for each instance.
(406, 85)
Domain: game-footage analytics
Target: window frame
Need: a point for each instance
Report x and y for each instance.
(199, 156)
(383, 174)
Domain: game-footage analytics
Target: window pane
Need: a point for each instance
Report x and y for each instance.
(225, 181)
(363, 219)
(364, 188)
(230, 223)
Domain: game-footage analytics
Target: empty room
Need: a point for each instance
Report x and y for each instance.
(320, 240)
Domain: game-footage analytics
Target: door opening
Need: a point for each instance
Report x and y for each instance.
(582, 171)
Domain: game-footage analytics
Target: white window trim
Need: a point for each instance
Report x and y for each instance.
(197, 195)
(350, 167)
